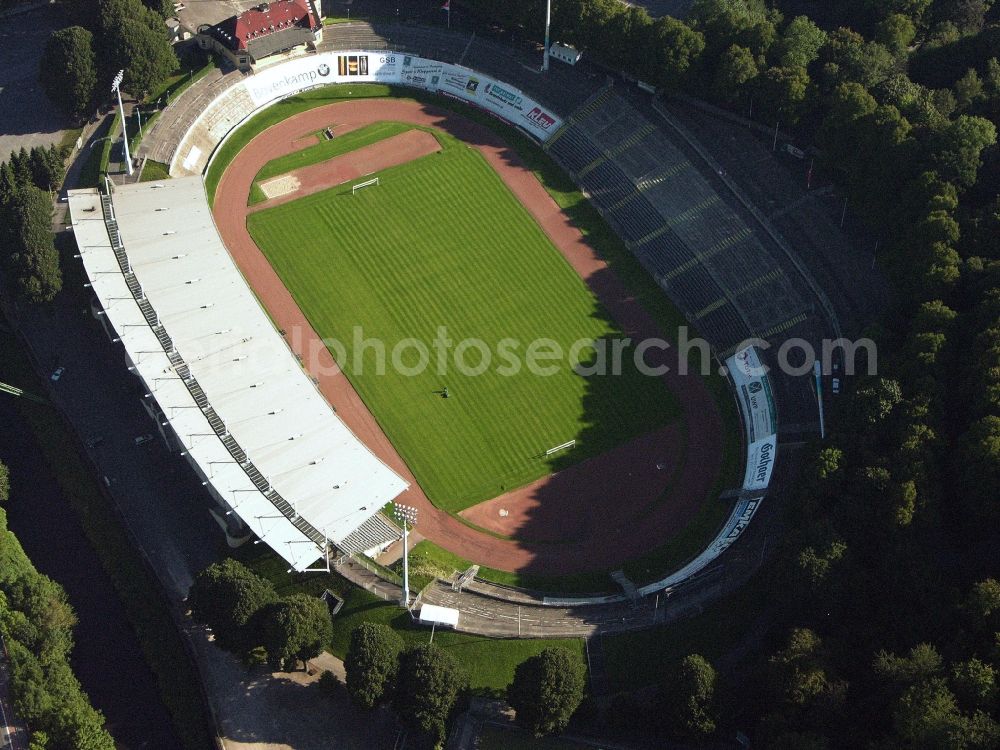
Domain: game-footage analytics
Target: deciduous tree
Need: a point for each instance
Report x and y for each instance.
(800, 43)
(430, 682)
(294, 629)
(224, 596)
(371, 663)
(736, 69)
(687, 699)
(673, 49)
(68, 71)
(4, 483)
(546, 690)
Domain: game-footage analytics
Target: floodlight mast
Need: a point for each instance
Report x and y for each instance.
(548, 23)
(116, 88)
(406, 514)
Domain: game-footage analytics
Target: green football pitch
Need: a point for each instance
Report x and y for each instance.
(442, 242)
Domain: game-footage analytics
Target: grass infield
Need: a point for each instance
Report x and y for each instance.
(443, 242)
(323, 150)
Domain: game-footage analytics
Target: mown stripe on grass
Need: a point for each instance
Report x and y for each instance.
(443, 242)
(324, 151)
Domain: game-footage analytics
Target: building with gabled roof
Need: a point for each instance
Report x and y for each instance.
(265, 30)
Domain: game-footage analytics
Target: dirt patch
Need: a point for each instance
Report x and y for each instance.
(591, 516)
(390, 152)
(279, 186)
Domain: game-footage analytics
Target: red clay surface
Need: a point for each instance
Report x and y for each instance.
(591, 516)
(390, 152)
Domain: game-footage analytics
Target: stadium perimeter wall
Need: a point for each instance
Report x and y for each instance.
(215, 124)
(247, 97)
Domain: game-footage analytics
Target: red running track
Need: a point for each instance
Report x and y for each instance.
(591, 516)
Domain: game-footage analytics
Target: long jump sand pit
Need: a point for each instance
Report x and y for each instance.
(579, 519)
(390, 152)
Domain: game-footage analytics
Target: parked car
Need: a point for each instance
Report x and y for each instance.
(143, 439)
(57, 373)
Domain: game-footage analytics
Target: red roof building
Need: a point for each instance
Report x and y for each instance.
(267, 29)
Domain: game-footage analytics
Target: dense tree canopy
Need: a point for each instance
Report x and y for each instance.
(68, 71)
(888, 611)
(36, 622)
(295, 629)
(430, 682)
(133, 38)
(34, 262)
(371, 663)
(687, 700)
(4, 483)
(225, 596)
(546, 690)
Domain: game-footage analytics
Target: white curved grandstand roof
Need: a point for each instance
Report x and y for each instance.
(315, 477)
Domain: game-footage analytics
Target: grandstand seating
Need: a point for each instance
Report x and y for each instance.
(162, 141)
(374, 533)
(700, 250)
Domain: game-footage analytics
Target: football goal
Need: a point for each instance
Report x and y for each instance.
(362, 185)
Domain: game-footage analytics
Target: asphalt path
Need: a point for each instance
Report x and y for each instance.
(27, 117)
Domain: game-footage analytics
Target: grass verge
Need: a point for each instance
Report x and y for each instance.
(179, 81)
(90, 173)
(113, 133)
(489, 662)
(155, 170)
(635, 660)
(68, 141)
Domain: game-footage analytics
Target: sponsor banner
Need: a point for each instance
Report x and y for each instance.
(760, 463)
(505, 101)
(753, 388)
(735, 525)
(316, 70)
(425, 74)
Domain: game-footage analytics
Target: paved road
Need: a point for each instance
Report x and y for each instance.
(27, 118)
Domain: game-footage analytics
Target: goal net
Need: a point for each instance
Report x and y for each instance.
(362, 185)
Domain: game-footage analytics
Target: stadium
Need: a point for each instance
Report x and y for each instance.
(375, 184)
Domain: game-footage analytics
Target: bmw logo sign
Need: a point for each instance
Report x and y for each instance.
(323, 70)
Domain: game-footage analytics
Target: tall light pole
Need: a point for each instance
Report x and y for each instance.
(116, 87)
(406, 514)
(548, 23)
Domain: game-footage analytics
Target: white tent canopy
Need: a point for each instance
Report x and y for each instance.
(431, 614)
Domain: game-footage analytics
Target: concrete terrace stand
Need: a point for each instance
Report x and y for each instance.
(487, 608)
